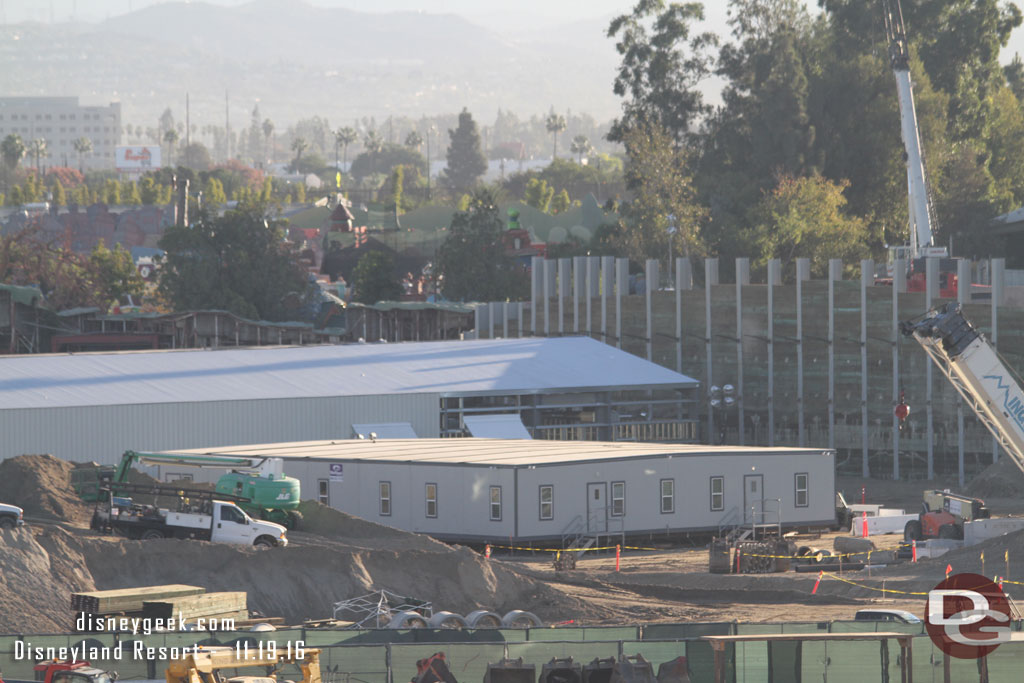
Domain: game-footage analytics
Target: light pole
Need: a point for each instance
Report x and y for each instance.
(671, 233)
(721, 400)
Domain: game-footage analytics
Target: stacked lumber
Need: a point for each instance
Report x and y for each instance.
(190, 607)
(125, 600)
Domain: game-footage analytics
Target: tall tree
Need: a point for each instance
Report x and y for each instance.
(466, 162)
(471, 262)
(345, 137)
(299, 146)
(171, 137)
(238, 262)
(82, 147)
(661, 67)
(373, 279)
(414, 140)
(658, 174)
(114, 274)
(580, 146)
(12, 151)
(268, 133)
(373, 143)
(555, 123)
(38, 149)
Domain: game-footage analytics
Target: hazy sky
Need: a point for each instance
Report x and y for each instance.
(511, 15)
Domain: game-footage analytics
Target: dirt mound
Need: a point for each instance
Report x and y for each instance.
(303, 581)
(41, 484)
(322, 520)
(36, 581)
(1001, 479)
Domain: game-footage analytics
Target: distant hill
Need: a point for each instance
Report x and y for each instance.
(297, 60)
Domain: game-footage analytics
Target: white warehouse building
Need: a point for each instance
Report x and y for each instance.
(497, 490)
(95, 406)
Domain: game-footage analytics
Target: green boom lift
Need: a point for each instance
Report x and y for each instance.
(272, 495)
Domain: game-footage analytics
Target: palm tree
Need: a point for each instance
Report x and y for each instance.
(374, 144)
(555, 124)
(413, 139)
(82, 146)
(344, 137)
(299, 146)
(171, 137)
(268, 131)
(37, 149)
(580, 146)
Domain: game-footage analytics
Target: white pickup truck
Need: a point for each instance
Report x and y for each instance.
(11, 516)
(210, 520)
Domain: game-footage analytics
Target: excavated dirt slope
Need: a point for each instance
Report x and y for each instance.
(41, 485)
(338, 556)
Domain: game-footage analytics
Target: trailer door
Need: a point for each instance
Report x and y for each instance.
(597, 508)
(753, 498)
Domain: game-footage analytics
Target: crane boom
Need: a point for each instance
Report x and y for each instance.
(921, 236)
(974, 368)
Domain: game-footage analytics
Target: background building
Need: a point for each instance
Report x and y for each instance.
(60, 121)
(96, 406)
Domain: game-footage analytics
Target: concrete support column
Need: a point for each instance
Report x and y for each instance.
(607, 281)
(520, 323)
(564, 270)
(651, 276)
(774, 279)
(931, 292)
(963, 296)
(803, 273)
(742, 279)
(684, 280)
(579, 266)
(621, 289)
(593, 267)
(899, 286)
(710, 280)
(835, 272)
(550, 280)
(998, 270)
(867, 279)
(536, 290)
(492, 317)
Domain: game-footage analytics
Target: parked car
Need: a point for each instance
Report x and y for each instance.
(892, 616)
(11, 516)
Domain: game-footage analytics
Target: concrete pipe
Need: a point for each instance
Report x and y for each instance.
(518, 618)
(448, 620)
(408, 619)
(481, 618)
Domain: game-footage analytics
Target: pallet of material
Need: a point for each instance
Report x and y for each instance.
(193, 606)
(129, 599)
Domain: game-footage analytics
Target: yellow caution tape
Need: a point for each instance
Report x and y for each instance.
(872, 588)
(570, 550)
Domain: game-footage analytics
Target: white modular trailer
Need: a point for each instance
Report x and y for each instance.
(499, 490)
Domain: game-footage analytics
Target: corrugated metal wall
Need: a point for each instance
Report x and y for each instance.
(103, 433)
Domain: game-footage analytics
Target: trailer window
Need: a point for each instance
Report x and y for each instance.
(431, 491)
(618, 498)
(801, 489)
(717, 493)
(547, 502)
(668, 496)
(323, 491)
(385, 499)
(495, 503)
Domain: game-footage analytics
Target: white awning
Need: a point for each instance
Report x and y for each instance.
(384, 430)
(496, 427)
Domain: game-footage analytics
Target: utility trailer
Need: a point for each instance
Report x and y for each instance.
(195, 514)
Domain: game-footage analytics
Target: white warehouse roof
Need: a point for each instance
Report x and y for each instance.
(449, 368)
(485, 452)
